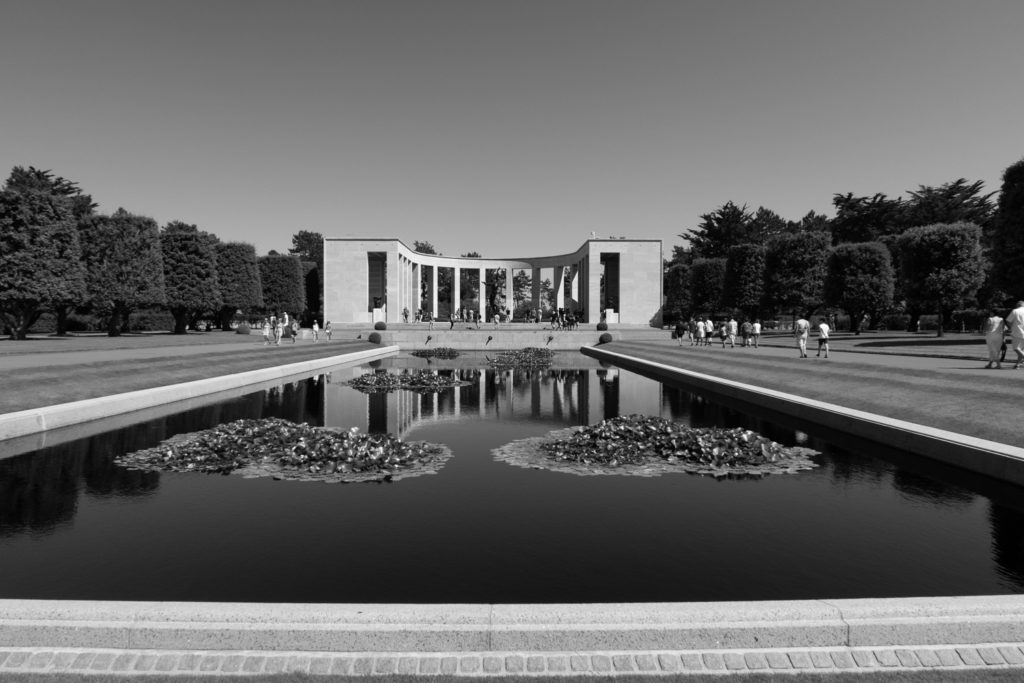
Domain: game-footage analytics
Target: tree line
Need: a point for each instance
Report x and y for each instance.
(938, 250)
(58, 256)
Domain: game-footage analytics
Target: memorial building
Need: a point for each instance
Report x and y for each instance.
(369, 280)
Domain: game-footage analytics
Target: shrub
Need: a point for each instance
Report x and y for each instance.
(604, 338)
(601, 326)
(375, 337)
(151, 320)
(243, 328)
(380, 325)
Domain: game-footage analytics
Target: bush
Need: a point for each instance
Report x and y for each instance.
(380, 325)
(969, 319)
(151, 320)
(604, 338)
(243, 328)
(601, 326)
(375, 337)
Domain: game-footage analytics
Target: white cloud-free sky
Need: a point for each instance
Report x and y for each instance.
(511, 128)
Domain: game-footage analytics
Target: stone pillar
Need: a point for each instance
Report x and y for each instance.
(417, 278)
(433, 292)
(481, 299)
(456, 288)
(510, 288)
(535, 289)
(393, 301)
(594, 288)
(574, 282)
(559, 284)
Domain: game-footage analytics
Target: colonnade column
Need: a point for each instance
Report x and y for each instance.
(433, 292)
(535, 290)
(574, 283)
(510, 290)
(481, 299)
(417, 278)
(559, 286)
(456, 289)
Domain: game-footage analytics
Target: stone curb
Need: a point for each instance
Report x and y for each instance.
(990, 458)
(87, 662)
(36, 420)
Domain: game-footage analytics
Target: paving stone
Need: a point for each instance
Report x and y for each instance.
(102, 661)
(778, 660)
(17, 659)
(623, 663)
(385, 665)
(189, 662)
(449, 665)
(515, 664)
(558, 663)
(535, 664)
(297, 664)
(63, 660)
(842, 659)
(601, 663)
(4, 654)
(39, 660)
(469, 665)
(362, 666)
(209, 663)
(275, 665)
(146, 662)
(253, 664)
(406, 665)
(821, 660)
(646, 663)
(1011, 654)
(576, 663)
(165, 662)
(970, 656)
(991, 656)
(734, 661)
(756, 660)
(492, 665)
(800, 660)
(865, 658)
(233, 664)
(887, 658)
(927, 657)
(430, 665)
(713, 661)
(907, 658)
(948, 657)
(692, 661)
(340, 666)
(668, 662)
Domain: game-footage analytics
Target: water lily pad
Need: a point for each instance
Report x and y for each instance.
(640, 445)
(529, 357)
(421, 381)
(281, 449)
(439, 352)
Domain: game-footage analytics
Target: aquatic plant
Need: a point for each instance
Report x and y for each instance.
(529, 357)
(439, 352)
(644, 445)
(422, 381)
(277, 448)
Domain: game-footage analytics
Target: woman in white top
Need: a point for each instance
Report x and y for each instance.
(994, 328)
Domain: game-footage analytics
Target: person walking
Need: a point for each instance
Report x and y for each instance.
(994, 329)
(327, 330)
(295, 330)
(316, 332)
(679, 332)
(278, 332)
(746, 329)
(733, 328)
(756, 331)
(266, 332)
(405, 314)
(1015, 321)
(823, 330)
(699, 333)
(800, 329)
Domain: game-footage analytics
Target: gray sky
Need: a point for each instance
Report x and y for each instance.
(511, 128)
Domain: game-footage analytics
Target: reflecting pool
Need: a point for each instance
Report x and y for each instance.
(866, 523)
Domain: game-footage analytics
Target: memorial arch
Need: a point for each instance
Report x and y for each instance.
(366, 280)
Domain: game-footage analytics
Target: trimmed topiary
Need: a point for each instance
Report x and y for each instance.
(380, 325)
(602, 326)
(243, 328)
(604, 338)
(375, 337)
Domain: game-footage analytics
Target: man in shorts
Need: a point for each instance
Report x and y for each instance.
(800, 329)
(823, 330)
(1015, 323)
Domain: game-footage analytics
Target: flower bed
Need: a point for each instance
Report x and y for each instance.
(529, 357)
(649, 446)
(440, 352)
(281, 449)
(422, 381)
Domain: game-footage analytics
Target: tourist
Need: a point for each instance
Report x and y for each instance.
(746, 330)
(405, 314)
(327, 330)
(994, 329)
(266, 332)
(1015, 321)
(278, 332)
(316, 331)
(723, 332)
(419, 315)
(733, 329)
(700, 333)
(451, 321)
(756, 331)
(800, 329)
(295, 330)
(680, 331)
(823, 330)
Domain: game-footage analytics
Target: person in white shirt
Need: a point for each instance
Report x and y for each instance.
(800, 330)
(1015, 321)
(994, 328)
(823, 330)
(733, 329)
(757, 332)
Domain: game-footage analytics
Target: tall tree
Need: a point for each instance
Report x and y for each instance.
(1008, 234)
(724, 227)
(124, 265)
(191, 284)
(955, 202)
(794, 271)
(239, 281)
(744, 278)
(941, 266)
(308, 246)
(866, 219)
(707, 283)
(859, 280)
(40, 256)
(283, 285)
(677, 291)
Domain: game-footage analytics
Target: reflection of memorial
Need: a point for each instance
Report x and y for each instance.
(571, 397)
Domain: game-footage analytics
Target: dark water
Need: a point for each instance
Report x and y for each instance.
(865, 524)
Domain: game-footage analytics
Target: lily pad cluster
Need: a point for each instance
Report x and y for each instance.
(281, 449)
(439, 352)
(422, 381)
(529, 357)
(644, 445)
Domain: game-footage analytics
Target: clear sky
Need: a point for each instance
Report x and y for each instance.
(511, 128)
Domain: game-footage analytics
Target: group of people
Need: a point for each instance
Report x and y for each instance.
(995, 329)
(274, 328)
(802, 329)
(702, 332)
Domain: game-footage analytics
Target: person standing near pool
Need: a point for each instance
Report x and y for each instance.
(316, 331)
(327, 330)
(733, 329)
(823, 330)
(994, 328)
(756, 331)
(266, 332)
(800, 329)
(1015, 321)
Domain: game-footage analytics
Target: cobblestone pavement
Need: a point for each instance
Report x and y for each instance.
(780, 660)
